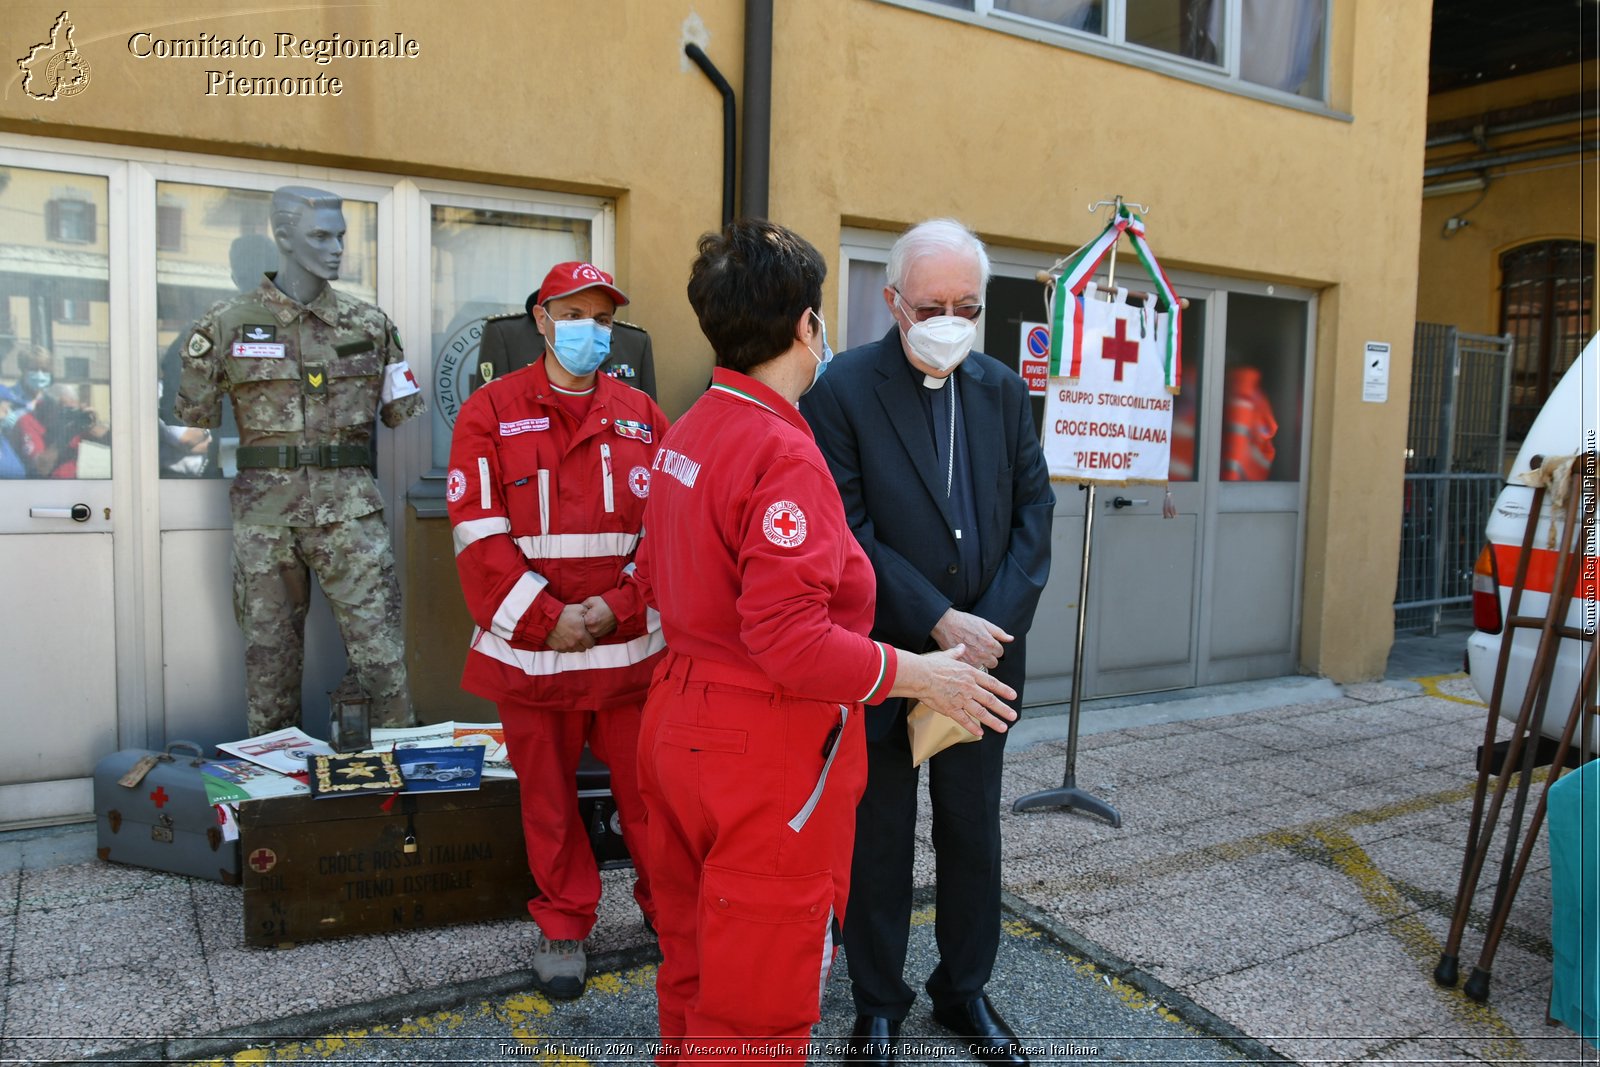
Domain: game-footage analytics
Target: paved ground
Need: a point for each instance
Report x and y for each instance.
(1278, 890)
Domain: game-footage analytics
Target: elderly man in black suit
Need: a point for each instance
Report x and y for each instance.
(945, 486)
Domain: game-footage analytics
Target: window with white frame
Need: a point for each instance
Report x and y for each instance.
(1278, 45)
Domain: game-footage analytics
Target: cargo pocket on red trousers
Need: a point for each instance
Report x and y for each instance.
(764, 948)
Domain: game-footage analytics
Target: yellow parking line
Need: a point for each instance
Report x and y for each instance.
(1351, 860)
(1430, 687)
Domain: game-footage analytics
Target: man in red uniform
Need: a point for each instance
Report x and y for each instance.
(550, 468)
(751, 754)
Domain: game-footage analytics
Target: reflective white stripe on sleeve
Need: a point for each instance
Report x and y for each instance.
(546, 662)
(474, 530)
(515, 605)
(578, 546)
(484, 500)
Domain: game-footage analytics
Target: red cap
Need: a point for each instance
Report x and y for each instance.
(565, 279)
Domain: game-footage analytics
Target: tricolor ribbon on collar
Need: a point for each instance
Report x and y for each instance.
(1066, 302)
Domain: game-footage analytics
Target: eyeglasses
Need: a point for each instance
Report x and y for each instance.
(924, 312)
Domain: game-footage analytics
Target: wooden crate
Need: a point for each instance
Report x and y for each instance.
(334, 867)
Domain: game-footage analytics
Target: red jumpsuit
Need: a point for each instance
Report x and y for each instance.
(752, 758)
(547, 511)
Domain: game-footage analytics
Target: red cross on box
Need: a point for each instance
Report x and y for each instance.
(784, 523)
(1119, 349)
(160, 796)
(263, 859)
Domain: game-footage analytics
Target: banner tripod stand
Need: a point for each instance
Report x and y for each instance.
(1068, 795)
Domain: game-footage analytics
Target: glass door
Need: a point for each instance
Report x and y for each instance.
(60, 462)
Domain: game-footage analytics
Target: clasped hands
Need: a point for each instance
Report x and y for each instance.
(581, 625)
(972, 703)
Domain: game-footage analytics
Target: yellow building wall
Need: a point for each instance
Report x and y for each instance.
(1459, 267)
(881, 116)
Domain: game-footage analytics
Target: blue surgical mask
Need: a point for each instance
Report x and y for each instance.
(581, 345)
(37, 380)
(827, 352)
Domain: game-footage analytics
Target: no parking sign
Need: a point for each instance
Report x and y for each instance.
(1033, 361)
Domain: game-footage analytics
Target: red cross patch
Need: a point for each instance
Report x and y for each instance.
(455, 484)
(785, 524)
(639, 482)
(160, 796)
(263, 860)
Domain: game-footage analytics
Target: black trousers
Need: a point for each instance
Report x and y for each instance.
(964, 783)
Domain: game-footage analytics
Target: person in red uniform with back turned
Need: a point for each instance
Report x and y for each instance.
(751, 757)
(549, 474)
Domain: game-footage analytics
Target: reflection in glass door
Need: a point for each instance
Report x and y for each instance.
(56, 494)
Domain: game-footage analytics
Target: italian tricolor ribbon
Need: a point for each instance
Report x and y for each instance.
(1066, 305)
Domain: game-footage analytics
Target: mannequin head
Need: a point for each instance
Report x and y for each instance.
(308, 227)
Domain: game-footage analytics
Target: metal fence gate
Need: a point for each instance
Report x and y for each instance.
(1455, 466)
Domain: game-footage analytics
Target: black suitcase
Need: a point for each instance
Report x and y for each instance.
(151, 811)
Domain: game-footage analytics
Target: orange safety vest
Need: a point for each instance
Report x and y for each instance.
(1248, 428)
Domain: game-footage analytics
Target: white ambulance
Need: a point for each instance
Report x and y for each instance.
(1566, 425)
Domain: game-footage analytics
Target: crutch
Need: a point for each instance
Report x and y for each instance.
(1529, 719)
(1583, 709)
(1477, 986)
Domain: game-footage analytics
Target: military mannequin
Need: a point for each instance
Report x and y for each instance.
(306, 368)
(511, 341)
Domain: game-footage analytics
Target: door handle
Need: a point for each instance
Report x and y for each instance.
(77, 513)
(1120, 502)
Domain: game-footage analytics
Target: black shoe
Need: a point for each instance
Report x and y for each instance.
(872, 1040)
(989, 1039)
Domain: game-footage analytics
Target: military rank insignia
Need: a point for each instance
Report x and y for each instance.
(315, 380)
(621, 370)
(639, 431)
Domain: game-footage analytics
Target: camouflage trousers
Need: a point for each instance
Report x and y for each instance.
(354, 564)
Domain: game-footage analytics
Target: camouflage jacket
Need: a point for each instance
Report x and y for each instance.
(298, 375)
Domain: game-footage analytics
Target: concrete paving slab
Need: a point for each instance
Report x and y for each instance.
(1332, 1002)
(1194, 937)
(123, 932)
(91, 1013)
(86, 882)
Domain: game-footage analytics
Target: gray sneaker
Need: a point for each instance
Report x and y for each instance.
(560, 968)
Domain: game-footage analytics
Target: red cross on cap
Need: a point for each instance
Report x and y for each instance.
(1119, 349)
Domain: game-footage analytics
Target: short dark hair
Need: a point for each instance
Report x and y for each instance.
(749, 285)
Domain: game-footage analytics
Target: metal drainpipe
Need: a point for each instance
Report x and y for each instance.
(709, 69)
(754, 174)
(1505, 159)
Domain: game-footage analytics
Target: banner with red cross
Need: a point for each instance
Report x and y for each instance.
(1114, 369)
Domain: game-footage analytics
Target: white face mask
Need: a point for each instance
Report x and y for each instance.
(942, 342)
